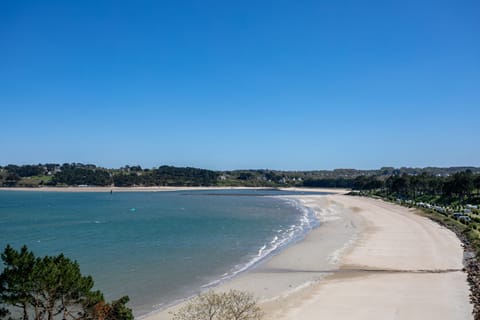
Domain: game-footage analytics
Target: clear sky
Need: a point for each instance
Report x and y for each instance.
(241, 84)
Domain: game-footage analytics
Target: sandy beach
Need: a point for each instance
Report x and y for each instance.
(368, 260)
(160, 189)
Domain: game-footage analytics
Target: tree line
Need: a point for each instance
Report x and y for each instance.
(53, 287)
(50, 288)
(463, 186)
(76, 174)
(404, 181)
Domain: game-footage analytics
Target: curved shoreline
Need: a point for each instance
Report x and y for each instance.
(400, 266)
(162, 189)
(403, 266)
(296, 233)
(370, 259)
(309, 221)
(277, 275)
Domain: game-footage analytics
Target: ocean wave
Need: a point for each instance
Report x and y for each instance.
(284, 237)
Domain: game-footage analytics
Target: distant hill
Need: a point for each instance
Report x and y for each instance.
(78, 174)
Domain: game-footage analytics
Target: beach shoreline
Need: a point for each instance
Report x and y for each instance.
(165, 189)
(276, 275)
(368, 260)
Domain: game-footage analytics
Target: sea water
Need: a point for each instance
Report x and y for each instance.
(155, 247)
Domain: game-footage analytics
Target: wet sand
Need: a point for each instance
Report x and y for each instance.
(368, 260)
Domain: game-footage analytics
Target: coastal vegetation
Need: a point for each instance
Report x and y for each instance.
(449, 196)
(78, 174)
(231, 305)
(52, 287)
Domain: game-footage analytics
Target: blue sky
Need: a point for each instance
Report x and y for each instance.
(247, 84)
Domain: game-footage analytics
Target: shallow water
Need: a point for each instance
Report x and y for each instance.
(156, 247)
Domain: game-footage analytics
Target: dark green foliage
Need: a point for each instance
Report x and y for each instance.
(246, 176)
(165, 176)
(476, 182)
(73, 174)
(458, 187)
(399, 185)
(16, 281)
(405, 182)
(358, 183)
(367, 183)
(118, 310)
(461, 184)
(51, 287)
(329, 183)
(26, 171)
(11, 180)
(127, 180)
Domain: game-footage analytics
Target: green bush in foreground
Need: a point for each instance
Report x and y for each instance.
(232, 305)
(50, 288)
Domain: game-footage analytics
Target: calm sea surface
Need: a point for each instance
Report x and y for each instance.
(156, 247)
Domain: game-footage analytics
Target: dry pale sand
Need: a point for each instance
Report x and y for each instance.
(403, 266)
(368, 260)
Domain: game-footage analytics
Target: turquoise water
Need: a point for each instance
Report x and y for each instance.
(156, 247)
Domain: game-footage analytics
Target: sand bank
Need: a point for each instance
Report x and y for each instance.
(368, 260)
(403, 266)
(159, 189)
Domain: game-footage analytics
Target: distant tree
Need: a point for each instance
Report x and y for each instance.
(31, 170)
(127, 180)
(476, 183)
(84, 174)
(51, 287)
(272, 176)
(11, 180)
(113, 311)
(16, 281)
(367, 183)
(399, 184)
(232, 305)
(246, 176)
(461, 184)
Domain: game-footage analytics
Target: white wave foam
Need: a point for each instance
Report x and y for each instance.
(292, 234)
(284, 237)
